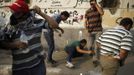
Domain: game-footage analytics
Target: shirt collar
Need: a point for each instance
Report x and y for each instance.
(119, 27)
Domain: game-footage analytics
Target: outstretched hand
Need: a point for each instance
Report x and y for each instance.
(59, 35)
(91, 52)
(20, 44)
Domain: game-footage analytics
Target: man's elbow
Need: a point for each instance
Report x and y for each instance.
(102, 13)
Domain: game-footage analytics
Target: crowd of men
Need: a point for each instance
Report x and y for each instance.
(110, 48)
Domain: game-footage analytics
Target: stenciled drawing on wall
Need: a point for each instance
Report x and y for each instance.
(4, 12)
(76, 8)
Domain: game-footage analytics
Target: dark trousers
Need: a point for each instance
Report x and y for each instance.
(39, 69)
(72, 53)
(49, 36)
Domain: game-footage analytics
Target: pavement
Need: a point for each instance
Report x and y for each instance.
(83, 65)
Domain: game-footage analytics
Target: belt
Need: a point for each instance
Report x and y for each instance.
(108, 54)
(111, 55)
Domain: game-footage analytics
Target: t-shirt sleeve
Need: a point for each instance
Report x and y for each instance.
(86, 12)
(56, 18)
(126, 42)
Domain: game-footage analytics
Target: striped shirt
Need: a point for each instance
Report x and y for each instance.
(94, 20)
(115, 39)
(34, 53)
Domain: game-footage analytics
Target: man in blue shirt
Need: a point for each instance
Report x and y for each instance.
(49, 34)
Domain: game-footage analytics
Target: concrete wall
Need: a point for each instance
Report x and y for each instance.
(69, 35)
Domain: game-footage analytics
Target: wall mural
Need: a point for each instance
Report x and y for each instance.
(75, 16)
(61, 3)
(4, 12)
(76, 8)
(83, 3)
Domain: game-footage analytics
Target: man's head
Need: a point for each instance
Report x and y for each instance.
(126, 23)
(92, 3)
(64, 15)
(83, 42)
(19, 8)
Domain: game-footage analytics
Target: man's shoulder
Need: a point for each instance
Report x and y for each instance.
(88, 10)
(77, 42)
(56, 15)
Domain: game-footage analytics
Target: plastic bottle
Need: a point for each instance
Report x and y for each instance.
(80, 34)
(23, 37)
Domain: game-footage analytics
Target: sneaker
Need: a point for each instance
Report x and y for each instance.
(69, 65)
(52, 63)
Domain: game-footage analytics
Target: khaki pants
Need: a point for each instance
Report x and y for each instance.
(109, 65)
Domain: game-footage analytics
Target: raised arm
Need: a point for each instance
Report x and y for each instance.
(50, 20)
(99, 8)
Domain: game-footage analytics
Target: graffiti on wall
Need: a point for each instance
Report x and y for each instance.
(75, 16)
(111, 5)
(61, 3)
(76, 8)
(80, 2)
(4, 12)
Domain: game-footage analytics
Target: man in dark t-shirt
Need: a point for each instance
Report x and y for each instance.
(76, 49)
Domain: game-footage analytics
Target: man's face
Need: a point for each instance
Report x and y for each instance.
(63, 18)
(18, 15)
(129, 27)
(92, 4)
(83, 44)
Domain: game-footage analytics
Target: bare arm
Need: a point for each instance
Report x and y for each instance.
(59, 28)
(84, 51)
(100, 10)
(123, 54)
(86, 23)
(56, 30)
(12, 45)
(50, 20)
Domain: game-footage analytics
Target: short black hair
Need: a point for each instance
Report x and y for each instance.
(65, 13)
(92, 0)
(126, 21)
(83, 41)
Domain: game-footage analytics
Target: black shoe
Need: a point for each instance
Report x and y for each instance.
(96, 63)
(52, 61)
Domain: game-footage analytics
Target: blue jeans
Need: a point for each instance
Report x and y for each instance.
(72, 53)
(93, 36)
(49, 36)
(39, 69)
